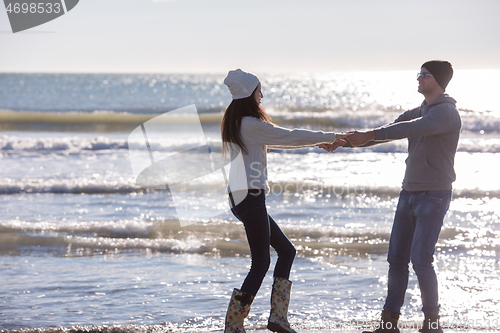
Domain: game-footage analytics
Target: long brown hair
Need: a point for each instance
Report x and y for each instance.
(231, 121)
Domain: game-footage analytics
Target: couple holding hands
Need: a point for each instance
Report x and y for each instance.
(432, 130)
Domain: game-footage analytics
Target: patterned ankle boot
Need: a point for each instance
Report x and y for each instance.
(280, 299)
(238, 310)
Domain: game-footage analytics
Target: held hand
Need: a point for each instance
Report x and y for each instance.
(340, 140)
(329, 147)
(360, 138)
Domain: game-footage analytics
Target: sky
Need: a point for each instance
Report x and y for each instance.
(213, 36)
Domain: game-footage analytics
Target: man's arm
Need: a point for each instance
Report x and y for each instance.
(439, 119)
(369, 138)
(360, 138)
(344, 140)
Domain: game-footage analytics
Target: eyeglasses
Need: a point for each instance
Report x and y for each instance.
(423, 75)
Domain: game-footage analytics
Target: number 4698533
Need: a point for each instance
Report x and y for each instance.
(34, 8)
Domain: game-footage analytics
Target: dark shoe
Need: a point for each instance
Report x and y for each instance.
(388, 323)
(431, 324)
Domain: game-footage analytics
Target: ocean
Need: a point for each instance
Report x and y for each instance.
(82, 244)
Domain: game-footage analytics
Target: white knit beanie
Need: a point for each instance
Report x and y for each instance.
(241, 84)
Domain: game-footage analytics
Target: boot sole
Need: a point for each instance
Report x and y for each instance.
(277, 328)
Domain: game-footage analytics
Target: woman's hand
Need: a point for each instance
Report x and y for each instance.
(339, 142)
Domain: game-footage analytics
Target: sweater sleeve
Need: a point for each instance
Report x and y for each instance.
(402, 117)
(438, 120)
(267, 134)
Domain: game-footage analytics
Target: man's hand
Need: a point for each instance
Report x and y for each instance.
(360, 138)
(329, 147)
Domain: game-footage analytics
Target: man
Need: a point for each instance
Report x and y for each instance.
(433, 131)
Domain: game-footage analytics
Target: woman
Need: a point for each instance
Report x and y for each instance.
(247, 130)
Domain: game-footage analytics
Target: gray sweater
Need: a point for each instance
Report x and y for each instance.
(250, 172)
(433, 131)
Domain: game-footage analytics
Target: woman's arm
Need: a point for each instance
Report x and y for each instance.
(266, 134)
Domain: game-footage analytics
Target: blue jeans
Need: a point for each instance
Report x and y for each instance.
(261, 232)
(417, 224)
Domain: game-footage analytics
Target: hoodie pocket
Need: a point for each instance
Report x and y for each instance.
(432, 172)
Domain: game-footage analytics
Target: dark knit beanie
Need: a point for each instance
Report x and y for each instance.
(442, 71)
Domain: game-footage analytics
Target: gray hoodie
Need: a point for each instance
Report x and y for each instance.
(432, 130)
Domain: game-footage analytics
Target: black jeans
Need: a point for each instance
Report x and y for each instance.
(261, 232)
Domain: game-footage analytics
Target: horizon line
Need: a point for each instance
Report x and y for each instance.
(225, 72)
